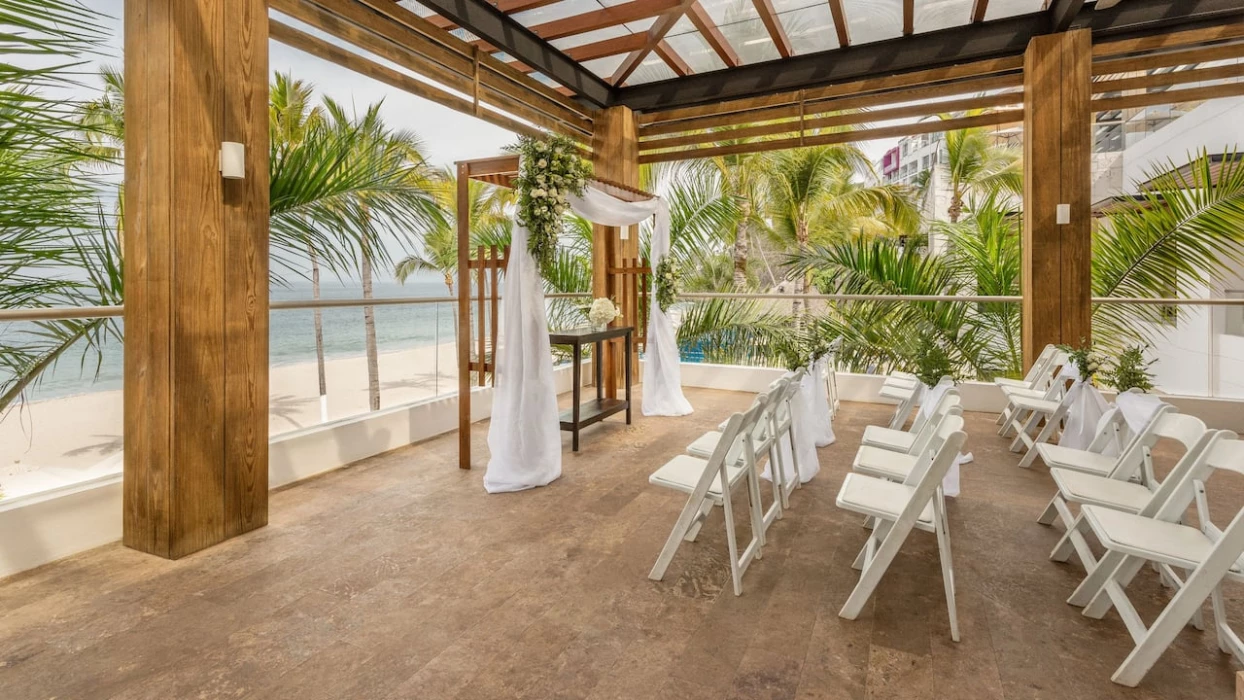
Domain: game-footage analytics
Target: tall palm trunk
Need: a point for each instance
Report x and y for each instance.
(956, 205)
(797, 307)
(369, 329)
(741, 248)
(319, 335)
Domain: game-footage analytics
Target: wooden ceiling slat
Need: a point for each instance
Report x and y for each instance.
(708, 29)
(1200, 54)
(840, 23)
(773, 25)
(1158, 42)
(608, 47)
(1178, 77)
(851, 118)
(991, 119)
(655, 35)
(970, 74)
(672, 59)
(909, 17)
(1149, 99)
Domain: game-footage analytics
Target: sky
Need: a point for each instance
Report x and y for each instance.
(447, 135)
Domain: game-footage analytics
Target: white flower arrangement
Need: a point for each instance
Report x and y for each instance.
(602, 312)
(669, 277)
(549, 171)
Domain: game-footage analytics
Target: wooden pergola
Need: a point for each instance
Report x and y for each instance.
(644, 81)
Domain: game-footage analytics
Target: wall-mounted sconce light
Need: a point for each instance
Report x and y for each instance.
(232, 160)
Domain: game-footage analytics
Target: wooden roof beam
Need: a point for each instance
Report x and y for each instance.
(603, 18)
(672, 59)
(978, 11)
(609, 47)
(909, 17)
(1063, 13)
(840, 23)
(656, 34)
(712, 35)
(774, 26)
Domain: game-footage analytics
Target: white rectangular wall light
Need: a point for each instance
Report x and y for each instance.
(232, 160)
(1062, 214)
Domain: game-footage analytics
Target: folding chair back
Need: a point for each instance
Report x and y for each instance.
(1182, 428)
(1108, 433)
(936, 451)
(1136, 453)
(950, 403)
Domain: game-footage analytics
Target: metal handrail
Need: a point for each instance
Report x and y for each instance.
(62, 313)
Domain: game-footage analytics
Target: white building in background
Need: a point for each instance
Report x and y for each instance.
(1201, 351)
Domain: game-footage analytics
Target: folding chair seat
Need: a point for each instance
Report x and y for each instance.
(903, 440)
(917, 503)
(1095, 460)
(1052, 409)
(1117, 489)
(890, 464)
(1038, 373)
(1207, 555)
(710, 483)
(1051, 385)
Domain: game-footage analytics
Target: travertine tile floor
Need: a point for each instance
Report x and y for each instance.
(400, 578)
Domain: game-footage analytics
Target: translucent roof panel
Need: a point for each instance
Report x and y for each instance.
(750, 39)
(693, 49)
(556, 11)
(873, 20)
(998, 9)
(651, 70)
(728, 11)
(604, 67)
(931, 15)
(810, 29)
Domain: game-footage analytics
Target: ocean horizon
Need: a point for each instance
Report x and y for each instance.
(291, 334)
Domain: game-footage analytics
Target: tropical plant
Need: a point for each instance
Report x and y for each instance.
(977, 165)
(930, 362)
(1130, 370)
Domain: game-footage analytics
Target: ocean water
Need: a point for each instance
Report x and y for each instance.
(291, 334)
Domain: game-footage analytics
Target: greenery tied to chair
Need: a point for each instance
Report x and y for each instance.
(1087, 362)
(931, 361)
(1131, 370)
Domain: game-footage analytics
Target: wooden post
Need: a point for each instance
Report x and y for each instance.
(196, 277)
(615, 156)
(1057, 258)
(464, 316)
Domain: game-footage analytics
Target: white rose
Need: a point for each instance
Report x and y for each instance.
(542, 163)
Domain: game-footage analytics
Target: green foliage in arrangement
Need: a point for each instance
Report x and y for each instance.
(549, 170)
(930, 361)
(1088, 363)
(1130, 370)
(668, 279)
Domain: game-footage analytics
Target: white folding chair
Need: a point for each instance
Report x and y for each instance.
(711, 482)
(1028, 412)
(1043, 388)
(1117, 492)
(1133, 461)
(907, 391)
(831, 376)
(902, 440)
(1208, 554)
(898, 507)
(783, 428)
(1038, 376)
(894, 465)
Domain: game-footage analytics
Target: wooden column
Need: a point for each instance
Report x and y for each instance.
(615, 156)
(196, 274)
(463, 340)
(1057, 258)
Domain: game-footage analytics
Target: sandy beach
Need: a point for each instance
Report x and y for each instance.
(76, 432)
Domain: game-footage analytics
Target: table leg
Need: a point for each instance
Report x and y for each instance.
(629, 347)
(576, 373)
(598, 362)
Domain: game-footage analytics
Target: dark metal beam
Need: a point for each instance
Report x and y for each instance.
(992, 39)
(498, 29)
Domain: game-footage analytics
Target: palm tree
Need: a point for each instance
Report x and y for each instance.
(977, 166)
(409, 183)
(817, 187)
(743, 177)
(291, 116)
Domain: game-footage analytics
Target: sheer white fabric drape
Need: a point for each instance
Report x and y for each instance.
(950, 484)
(524, 437)
(1085, 407)
(662, 377)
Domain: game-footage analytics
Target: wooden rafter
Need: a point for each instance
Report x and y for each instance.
(708, 29)
(978, 10)
(909, 17)
(603, 18)
(510, 6)
(608, 47)
(774, 26)
(656, 34)
(840, 23)
(672, 59)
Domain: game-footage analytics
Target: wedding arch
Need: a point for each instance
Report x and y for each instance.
(511, 340)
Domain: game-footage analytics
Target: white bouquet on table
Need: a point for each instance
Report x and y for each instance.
(602, 312)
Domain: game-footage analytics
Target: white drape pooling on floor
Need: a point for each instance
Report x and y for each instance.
(524, 437)
(662, 377)
(822, 420)
(928, 401)
(802, 413)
